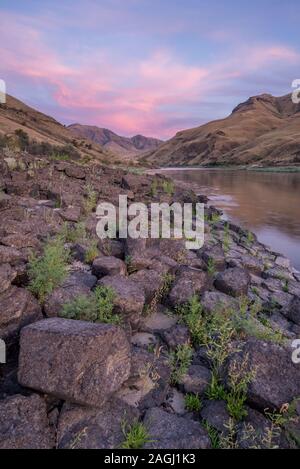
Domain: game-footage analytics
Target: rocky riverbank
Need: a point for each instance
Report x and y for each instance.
(138, 343)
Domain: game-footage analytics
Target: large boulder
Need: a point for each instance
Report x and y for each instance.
(89, 428)
(188, 283)
(130, 297)
(18, 309)
(24, 423)
(277, 378)
(74, 360)
(234, 281)
(170, 431)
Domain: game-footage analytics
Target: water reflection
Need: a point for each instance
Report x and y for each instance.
(267, 203)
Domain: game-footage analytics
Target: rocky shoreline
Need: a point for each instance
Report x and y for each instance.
(138, 343)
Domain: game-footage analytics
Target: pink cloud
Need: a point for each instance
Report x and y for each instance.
(140, 96)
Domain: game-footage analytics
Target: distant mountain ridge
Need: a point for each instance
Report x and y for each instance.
(117, 144)
(264, 130)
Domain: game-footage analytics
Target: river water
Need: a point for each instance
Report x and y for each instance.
(268, 203)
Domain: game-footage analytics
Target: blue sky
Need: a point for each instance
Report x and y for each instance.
(151, 67)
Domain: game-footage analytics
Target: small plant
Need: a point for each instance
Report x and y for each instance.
(211, 269)
(90, 202)
(226, 238)
(192, 402)
(71, 234)
(213, 435)
(92, 252)
(180, 361)
(285, 287)
(130, 268)
(78, 437)
(48, 271)
(239, 379)
(191, 315)
(97, 307)
(154, 188)
(215, 218)
(168, 187)
(250, 238)
(164, 289)
(216, 391)
(136, 435)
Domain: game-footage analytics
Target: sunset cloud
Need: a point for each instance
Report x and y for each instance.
(156, 90)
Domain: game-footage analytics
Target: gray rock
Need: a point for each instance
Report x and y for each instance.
(196, 380)
(150, 281)
(62, 295)
(234, 282)
(18, 309)
(216, 255)
(24, 424)
(189, 282)
(170, 431)
(176, 335)
(218, 302)
(148, 383)
(71, 214)
(7, 275)
(293, 311)
(216, 414)
(108, 265)
(88, 428)
(130, 297)
(277, 378)
(10, 255)
(61, 357)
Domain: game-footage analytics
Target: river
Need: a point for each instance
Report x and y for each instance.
(268, 203)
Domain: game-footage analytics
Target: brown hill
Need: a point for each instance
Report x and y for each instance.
(122, 146)
(16, 116)
(264, 130)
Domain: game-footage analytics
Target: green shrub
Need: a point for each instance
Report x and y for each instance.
(180, 361)
(92, 252)
(211, 269)
(71, 234)
(90, 201)
(48, 271)
(136, 435)
(97, 307)
(168, 187)
(191, 315)
(193, 402)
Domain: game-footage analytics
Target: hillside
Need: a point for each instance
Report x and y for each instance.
(111, 141)
(264, 130)
(16, 116)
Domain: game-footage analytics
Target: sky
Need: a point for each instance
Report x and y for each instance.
(150, 67)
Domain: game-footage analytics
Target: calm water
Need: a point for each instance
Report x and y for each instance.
(266, 203)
